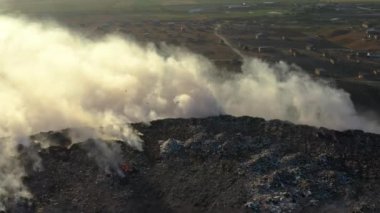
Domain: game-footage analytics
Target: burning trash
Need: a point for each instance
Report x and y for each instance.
(127, 168)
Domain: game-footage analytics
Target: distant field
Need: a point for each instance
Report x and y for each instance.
(162, 9)
(147, 9)
(349, 1)
(110, 5)
(107, 5)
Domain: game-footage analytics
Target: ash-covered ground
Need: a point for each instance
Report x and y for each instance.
(215, 164)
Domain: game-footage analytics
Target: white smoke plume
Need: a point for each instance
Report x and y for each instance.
(51, 79)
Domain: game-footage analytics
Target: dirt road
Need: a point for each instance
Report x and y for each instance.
(226, 42)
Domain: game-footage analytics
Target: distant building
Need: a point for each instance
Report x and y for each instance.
(294, 52)
(310, 47)
(265, 49)
(373, 54)
(366, 25)
(259, 35)
(373, 33)
(319, 71)
(183, 28)
(361, 54)
(332, 61)
(238, 6)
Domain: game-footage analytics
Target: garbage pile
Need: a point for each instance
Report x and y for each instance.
(217, 164)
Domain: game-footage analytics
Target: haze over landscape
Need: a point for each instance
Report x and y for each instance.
(97, 78)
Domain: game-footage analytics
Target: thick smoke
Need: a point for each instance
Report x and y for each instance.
(283, 92)
(51, 79)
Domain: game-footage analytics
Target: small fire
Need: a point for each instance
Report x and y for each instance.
(127, 168)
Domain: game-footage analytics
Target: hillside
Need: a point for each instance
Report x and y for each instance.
(216, 164)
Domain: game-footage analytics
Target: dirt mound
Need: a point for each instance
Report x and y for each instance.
(339, 32)
(351, 39)
(216, 164)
